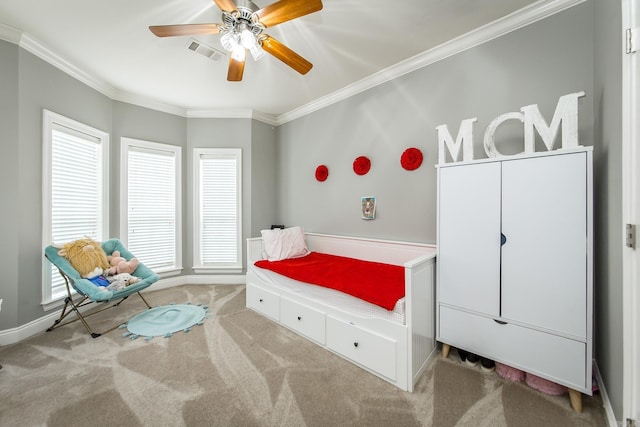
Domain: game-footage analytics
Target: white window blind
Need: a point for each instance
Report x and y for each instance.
(219, 225)
(74, 189)
(75, 186)
(152, 188)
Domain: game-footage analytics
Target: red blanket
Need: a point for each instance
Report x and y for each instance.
(374, 282)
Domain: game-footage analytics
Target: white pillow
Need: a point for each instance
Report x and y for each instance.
(279, 244)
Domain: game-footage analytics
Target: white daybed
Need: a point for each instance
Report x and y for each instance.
(394, 345)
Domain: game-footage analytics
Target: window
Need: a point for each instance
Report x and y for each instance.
(218, 213)
(151, 200)
(74, 188)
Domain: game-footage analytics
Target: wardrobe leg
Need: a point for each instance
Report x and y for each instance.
(576, 400)
(445, 350)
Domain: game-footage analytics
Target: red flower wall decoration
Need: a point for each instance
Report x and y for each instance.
(411, 159)
(361, 165)
(322, 172)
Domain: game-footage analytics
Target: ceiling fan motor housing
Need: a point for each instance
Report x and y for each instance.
(243, 18)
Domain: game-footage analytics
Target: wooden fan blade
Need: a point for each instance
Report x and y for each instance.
(184, 29)
(286, 55)
(226, 5)
(236, 70)
(286, 10)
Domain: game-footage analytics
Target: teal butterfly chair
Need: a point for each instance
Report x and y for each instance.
(88, 293)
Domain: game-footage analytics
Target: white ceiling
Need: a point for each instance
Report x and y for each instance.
(347, 41)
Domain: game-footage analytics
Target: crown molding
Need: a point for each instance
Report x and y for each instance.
(35, 47)
(237, 113)
(269, 119)
(240, 113)
(514, 21)
(10, 34)
(146, 102)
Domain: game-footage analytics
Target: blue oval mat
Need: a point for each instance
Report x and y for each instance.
(165, 320)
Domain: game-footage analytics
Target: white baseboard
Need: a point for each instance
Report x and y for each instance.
(606, 403)
(14, 335)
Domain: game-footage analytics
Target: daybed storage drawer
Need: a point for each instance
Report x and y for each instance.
(302, 319)
(374, 351)
(266, 302)
(560, 359)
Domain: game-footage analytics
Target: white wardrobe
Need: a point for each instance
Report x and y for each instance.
(514, 280)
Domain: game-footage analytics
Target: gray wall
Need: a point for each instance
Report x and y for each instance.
(135, 122)
(9, 195)
(218, 133)
(534, 65)
(263, 178)
(40, 86)
(608, 198)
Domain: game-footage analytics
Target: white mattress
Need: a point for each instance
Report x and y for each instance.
(332, 297)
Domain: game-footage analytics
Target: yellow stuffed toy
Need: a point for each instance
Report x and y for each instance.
(86, 256)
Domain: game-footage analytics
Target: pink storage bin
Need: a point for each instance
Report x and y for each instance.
(510, 373)
(545, 386)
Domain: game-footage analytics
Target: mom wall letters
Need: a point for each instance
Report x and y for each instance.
(566, 114)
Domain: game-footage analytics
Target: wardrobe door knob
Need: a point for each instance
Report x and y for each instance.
(299, 317)
(355, 344)
(260, 299)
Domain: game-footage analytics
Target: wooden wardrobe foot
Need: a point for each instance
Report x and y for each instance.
(445, 350)
(576, 400)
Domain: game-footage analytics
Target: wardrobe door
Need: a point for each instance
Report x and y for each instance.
(469, 237)
(544, 258)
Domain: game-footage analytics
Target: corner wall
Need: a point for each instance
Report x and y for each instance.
(608, 198)
(263, 178)
(9, 170)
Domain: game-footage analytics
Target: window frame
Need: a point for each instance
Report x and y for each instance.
(51, 121)
(126, 144)
(198, 266)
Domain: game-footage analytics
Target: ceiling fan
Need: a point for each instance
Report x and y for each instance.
(242, 29)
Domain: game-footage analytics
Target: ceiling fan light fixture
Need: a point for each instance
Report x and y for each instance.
(239, 38)
(229, 41)
(238, 53)
(257, 52)
(241, 30)
(247, 39)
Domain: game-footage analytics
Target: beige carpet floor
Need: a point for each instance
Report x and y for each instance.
(240, 369)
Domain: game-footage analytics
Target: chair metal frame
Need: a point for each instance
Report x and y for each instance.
(81, 293)
(71, 306)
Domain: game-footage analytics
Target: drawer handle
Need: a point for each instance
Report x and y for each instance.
(499, 322)
(355, 344)
(299, 317)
